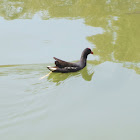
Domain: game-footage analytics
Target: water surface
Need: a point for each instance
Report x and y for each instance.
(99, 102)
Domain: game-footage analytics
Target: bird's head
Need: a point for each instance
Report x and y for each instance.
(89, 51)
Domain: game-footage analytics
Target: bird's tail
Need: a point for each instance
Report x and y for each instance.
(51, 68)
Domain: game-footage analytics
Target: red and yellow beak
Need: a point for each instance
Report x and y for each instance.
(91, 52)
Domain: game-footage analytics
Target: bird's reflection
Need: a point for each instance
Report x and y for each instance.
(59, 78)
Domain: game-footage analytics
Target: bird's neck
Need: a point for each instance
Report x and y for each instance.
(83, 60)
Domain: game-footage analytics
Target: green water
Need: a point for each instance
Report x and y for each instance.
(101, 101)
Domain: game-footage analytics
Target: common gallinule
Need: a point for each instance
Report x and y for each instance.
(64, 67)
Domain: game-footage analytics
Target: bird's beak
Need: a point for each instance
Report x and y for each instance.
(91, 52)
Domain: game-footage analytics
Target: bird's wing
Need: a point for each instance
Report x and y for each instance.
(61, 64)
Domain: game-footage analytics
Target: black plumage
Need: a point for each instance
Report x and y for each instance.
(64, 67)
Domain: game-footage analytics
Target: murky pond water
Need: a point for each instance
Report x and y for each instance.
(99, 102)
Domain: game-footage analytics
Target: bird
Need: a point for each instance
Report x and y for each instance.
(65, 67)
